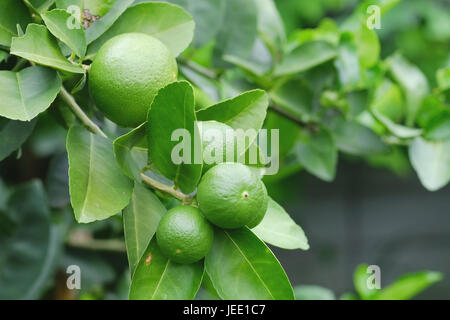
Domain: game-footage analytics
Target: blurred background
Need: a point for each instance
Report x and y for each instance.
(368, 216)
(374, 212)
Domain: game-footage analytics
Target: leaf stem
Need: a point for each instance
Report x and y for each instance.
(19, 65)
(165, 188)
(200, 69)
(76, 109)
(212, 75)
(83, 239)
(301, 123)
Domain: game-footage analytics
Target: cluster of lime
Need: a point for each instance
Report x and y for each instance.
(229, 196)
(124, 78)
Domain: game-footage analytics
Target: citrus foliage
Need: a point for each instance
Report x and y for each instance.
(331, 90)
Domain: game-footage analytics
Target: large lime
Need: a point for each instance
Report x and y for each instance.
(126, 74)
(184, 235)
(231, 196)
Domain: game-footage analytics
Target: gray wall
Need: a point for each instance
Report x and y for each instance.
(368, 215)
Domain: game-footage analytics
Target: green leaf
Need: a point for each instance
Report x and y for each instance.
(246, 111)
(169, 23)
(317, 152)
(27, 93)
(443, 78)
(94, 7)
(157, 278)
(29, 248)
(3, 56)
(242, 267)
(209, 86)
(288, 132)
(80, 84)
(208, 16)
(65, 4)
(294, 98)
(397, 129)
(258, 64)
(413, 83)
(254, 157)
(306, 292)
(39, 6)
(101, 25)
(131, 152)
(432, 111)
(357, 102)
(12, 12)
(439, 129)
(409, 285)
(327, 31)
(388, 108)
(305, 56)
(278, 229)
(270, 24)
(238, 31)
(173, 109)
(13, 134)
(354, 138)
(368, 46)
(57, 22)
(388, 101)
(5, 38)
(347, 64)
(98, 189)
(431, 160)
(39, 46)
(140, 220)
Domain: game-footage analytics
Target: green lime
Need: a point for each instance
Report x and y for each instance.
(231, 196)
(184, 235)
(126, 74)
(218, 142)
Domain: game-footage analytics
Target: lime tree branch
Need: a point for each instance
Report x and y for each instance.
(301, 123)
(76, 109)
(167, 189)
(70, 100)
(83, 239)
(199, 69)
(214, 76)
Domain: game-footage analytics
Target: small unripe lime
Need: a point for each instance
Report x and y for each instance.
(231, 196)
(184, 235)
(126, 74)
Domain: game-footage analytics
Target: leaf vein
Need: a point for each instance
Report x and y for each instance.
(250, 264)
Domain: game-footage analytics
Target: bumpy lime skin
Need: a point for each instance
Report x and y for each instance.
(126, 74)
(262, 212)
(231, 196)
(184, 235)
(224, 146)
